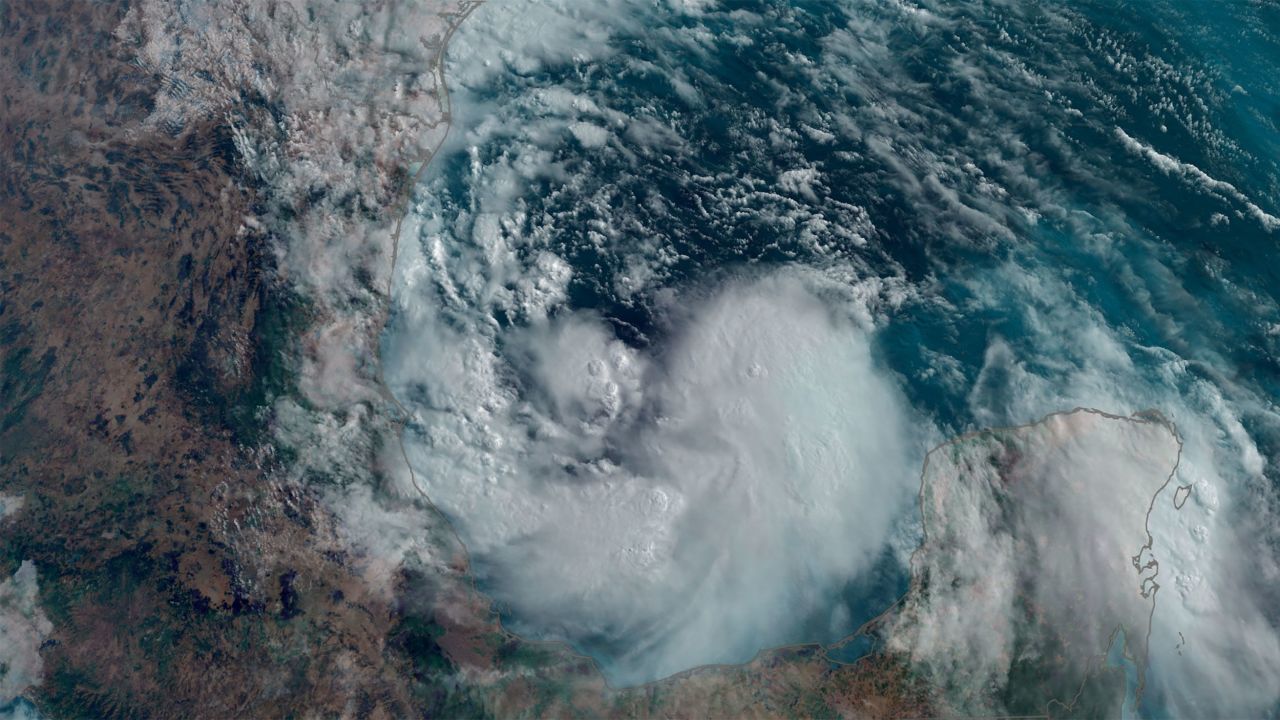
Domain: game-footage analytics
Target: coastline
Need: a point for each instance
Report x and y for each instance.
(825, 650)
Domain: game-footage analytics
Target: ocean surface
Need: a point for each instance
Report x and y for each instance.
(693, 287)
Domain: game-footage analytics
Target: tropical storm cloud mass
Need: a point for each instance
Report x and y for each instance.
(708, 496)
(693, 289)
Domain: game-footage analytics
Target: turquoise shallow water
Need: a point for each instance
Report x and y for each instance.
(1116, 659)
(1059, 205)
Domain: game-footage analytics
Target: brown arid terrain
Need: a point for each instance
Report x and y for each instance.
(141, 332)
(180, 296)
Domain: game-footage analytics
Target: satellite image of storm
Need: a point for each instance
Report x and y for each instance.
(680, 359)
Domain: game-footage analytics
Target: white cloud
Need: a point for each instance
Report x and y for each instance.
(10, 505)
(23, 628)
(1170, 165)
(527, 36)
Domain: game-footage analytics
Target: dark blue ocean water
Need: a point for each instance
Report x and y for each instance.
(1075, 201)
(1058, 82)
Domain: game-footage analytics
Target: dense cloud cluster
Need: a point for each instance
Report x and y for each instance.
(683, 505)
